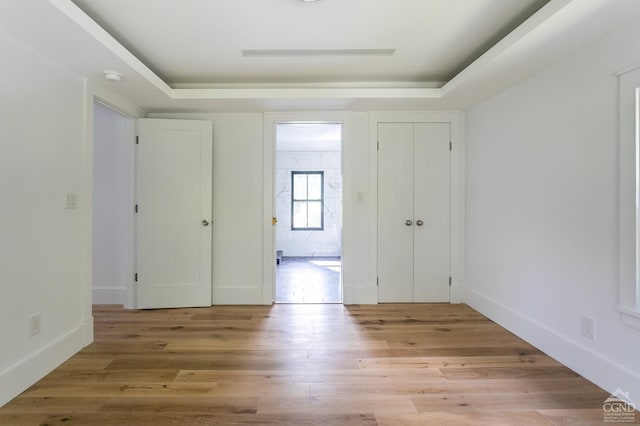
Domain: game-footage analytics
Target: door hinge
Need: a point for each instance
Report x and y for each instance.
(136, 208)
(137, 140)
(135, 277)
(378, 281)
(450, 146)
(449, 281)
(378, 145)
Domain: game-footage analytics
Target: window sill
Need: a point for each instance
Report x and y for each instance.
(630, 317)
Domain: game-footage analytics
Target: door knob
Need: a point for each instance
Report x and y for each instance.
(419, 223)
(408, 222)
(205, 222)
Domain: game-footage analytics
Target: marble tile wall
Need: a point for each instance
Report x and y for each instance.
(309, 243)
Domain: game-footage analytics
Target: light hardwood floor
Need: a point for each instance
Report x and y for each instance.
(306, 364)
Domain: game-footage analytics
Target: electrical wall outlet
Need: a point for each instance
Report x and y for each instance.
(72, 201)
(588, 327)
(35, 324)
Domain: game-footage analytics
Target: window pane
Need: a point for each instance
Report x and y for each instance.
(299, 187)
(315, 187)
(315, 214)
(299, 219)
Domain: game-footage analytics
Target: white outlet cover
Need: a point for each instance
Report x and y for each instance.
(72, 200)
(35, 324)
(588, 327)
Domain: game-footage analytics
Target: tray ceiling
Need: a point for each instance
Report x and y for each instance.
(201, 42)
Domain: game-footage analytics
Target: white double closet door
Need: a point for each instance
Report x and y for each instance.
(413, 212)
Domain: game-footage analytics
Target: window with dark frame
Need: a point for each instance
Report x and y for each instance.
(307, 201)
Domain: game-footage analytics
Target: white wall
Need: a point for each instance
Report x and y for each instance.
(309, 243)
(40, 241)
(113, 156)
(542, 211)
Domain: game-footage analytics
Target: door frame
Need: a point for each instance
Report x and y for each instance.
(127, 161)
(275, 191)
(269, 247)
(457, 195)
(95, 93)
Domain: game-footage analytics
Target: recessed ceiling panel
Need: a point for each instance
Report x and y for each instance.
(201, 41)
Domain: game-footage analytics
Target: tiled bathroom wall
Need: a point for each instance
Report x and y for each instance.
(309, 243)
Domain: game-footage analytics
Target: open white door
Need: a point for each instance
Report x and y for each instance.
(174, 179)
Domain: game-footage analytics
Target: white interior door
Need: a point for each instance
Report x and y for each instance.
(431, 213)
(174, 179)
(395, 212)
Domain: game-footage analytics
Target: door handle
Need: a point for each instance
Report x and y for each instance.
(408, 222)
(205, 222)
(419, 223)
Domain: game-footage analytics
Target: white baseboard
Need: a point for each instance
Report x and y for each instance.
(87, 331)
(364, 295)
(18, 377)
(593, 366)
(237, 296)
(108, 295)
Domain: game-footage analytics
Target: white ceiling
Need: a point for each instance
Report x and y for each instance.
(200, 41)
(185, 56)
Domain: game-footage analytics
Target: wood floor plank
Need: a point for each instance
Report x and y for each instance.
(377, 406)
(173, 389)
(117, 419)
(514, 372)
(525, 418)
(311, 376)
(23, 419)
(510, 401)
(584, 417)
(171, 404)
(400, 386)
(479, 363)
(54, 405)
(306, 365)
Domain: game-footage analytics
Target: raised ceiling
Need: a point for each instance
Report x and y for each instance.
(200, 42)
(186, 55)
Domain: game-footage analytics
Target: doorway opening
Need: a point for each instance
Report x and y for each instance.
(308, 200)
(112, 221)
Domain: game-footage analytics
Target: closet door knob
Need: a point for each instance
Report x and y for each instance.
(408, 222)
(205, 222)
(419, 223)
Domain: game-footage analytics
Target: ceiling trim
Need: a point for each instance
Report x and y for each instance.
(308, 92)
(323, 85)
